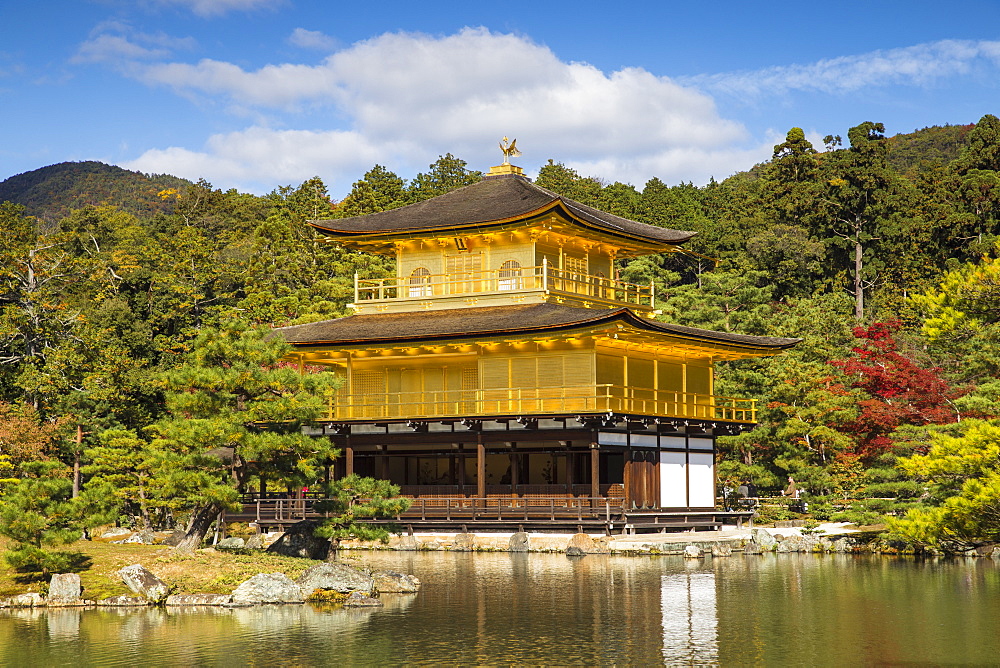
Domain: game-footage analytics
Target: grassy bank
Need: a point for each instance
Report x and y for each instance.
(205, 571)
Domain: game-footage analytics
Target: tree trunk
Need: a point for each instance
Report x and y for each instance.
(201, 520)
(859, 285)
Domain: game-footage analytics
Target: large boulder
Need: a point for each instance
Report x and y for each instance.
(144, 583)
(391, 582)
(268, 588)
(65, 589)
(764, 539)
(336, 577)
(692, 552)
(231, 543)
(518, 542)
(408, 544)
(722, 550)
(299, 541)
(29, 600)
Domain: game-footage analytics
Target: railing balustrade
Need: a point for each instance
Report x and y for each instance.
(486, 402)
(426, 286)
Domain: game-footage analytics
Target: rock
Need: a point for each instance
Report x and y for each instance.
(722, 550)
(797, 544)
(268, 588)
(408, 543)
(30, 600)
(783, 548)
(518, 542)
(692, 552)
(174, 539)
(586, 544)
(115, 532)
(123, 602)
(574, 551)
(255, 542)
(231, 543)
(144, 583)
(391, 582)
(359, 600)
(430, 545)
(144, 537)
(64, 588)
(335, 577)
(765, 540)
(299, 541)
(752, 548)
(199, 599)
(464, 542)
(840, 545)
(986, 550)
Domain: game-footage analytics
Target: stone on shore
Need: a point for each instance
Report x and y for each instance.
(518, 542)
(464, 542)
(359, 600)
(116, 532)
(692, 552)
(580, 544)
(391, 582)
(408, 544)
(336, 577)
(65, 589)
(175, 600)
(144, 583)
(722, 550)
(764, 539)
(123, 602)
(268, 588)
(29, 600)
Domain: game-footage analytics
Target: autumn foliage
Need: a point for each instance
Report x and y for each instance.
(899, 391)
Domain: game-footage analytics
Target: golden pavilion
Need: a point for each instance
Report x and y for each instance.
(506, 359)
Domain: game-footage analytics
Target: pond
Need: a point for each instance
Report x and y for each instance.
(505, 609)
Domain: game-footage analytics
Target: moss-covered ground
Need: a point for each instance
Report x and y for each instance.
(206, 571)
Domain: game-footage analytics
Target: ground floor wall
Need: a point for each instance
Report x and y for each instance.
(641, 465)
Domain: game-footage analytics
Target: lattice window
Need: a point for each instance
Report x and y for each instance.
(510, 275)
(420, 282)
(465, 272)
(368, 388)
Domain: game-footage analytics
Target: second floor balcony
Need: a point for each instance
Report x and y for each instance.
(518, 401)
(508, 285)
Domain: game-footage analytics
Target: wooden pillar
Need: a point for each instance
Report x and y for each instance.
(461, 471)
(480, 466)
(515, 468)
(349, 457)
(595, 470)
(383, 463)
(568, 457)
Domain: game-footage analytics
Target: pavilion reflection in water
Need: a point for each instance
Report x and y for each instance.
(689, 617)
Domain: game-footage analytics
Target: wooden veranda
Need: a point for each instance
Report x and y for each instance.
(504, 512)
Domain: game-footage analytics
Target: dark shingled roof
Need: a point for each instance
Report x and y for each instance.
(492, 200)
(480, 321)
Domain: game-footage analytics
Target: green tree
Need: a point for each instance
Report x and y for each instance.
(962, 473)
(235, 412)
(352, 502)
(445, 174)
(36, 512)
(378, 190)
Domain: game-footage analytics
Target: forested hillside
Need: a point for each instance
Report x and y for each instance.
(876, 251)
(50, 193)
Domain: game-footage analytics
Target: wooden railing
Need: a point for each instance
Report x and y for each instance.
(495, 507)
(540, 277)
(489, 402)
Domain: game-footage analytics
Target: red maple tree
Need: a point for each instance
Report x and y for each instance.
(900, 390)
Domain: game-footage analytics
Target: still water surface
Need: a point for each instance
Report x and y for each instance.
(532, 609)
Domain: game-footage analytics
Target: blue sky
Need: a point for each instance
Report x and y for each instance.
(255, 94)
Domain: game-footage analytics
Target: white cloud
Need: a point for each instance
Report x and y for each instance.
(261, 159)
(921, 64)
(209, 8)
(117, 43)
(409, 98)
(312, 39)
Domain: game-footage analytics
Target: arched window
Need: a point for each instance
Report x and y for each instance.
(420, 282)
(510, 275)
